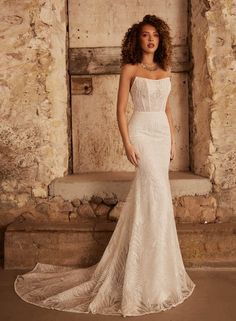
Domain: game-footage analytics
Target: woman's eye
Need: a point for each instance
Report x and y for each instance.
(156, 35)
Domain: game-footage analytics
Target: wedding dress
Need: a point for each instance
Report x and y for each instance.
(141, 270)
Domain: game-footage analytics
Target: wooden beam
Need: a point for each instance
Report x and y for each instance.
(106, 60)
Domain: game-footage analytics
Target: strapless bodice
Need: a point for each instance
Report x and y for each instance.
(150, 94)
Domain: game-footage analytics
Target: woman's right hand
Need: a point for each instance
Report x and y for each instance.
(132, 154)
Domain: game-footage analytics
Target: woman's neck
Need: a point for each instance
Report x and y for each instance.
(148, 59)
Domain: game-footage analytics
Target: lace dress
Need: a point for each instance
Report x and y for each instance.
(141, 270)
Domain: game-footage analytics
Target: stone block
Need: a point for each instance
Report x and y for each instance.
(83, 243)
(79, 244)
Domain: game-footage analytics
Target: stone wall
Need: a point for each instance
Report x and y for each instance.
(34, 98)
(213, 152)
(34, 103)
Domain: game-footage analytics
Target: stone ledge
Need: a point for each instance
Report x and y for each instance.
(83, 244)
(105, 183)
(85, 225)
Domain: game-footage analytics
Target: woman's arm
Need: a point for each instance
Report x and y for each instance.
(122, 100)
(126, 75)
(171, 123)
(168, 112)
(170, 119)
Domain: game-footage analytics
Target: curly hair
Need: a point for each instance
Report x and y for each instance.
(131, 51)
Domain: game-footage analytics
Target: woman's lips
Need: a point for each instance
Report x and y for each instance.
(150, 45)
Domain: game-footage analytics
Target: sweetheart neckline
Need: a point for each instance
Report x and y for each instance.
(147, 79)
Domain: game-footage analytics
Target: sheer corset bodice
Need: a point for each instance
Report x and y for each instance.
(150, 94)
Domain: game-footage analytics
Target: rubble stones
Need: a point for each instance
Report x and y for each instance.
(86, 211)
(76, 202)
(102, 210)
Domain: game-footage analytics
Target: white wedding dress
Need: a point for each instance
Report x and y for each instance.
(141, 270)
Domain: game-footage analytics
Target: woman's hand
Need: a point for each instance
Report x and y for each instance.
(173, 151)
(132, 154)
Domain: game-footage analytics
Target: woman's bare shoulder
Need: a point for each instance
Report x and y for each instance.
(128, 70)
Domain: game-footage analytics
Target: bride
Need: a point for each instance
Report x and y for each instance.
(141, 270)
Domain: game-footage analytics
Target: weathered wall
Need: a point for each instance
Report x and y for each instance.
(213, 90)
(33, 87)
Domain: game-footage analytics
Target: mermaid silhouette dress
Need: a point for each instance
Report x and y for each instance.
(141, 270)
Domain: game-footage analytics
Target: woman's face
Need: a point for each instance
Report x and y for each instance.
(149, 38)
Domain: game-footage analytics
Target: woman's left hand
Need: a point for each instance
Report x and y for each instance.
(173, 151)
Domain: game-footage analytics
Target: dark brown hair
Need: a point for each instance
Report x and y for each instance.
(131, 51)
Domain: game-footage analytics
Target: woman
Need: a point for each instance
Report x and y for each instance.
(142, 54)
(141, 270)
